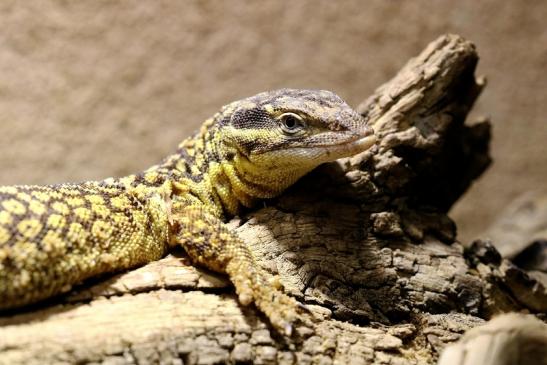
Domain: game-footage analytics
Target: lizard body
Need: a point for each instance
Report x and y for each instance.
(53, 237)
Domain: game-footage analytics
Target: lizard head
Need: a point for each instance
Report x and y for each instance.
(281, 135)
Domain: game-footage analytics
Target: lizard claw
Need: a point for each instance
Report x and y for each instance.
(288, 329)
(255, 287)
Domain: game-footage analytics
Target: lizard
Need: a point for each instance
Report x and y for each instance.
(54, 237)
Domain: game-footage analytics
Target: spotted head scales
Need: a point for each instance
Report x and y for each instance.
(266, 142)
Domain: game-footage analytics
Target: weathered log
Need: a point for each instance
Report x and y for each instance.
(510, 339)
(364, 242)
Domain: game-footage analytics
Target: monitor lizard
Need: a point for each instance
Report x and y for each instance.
(55, 236)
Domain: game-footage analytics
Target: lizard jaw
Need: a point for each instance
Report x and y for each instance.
(363, 143)
(350, 148)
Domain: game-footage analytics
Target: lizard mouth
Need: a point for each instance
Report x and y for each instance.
(365, 142)
(359, 144)
(330, 152)
(325, 151)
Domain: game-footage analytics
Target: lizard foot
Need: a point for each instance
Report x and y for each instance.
(258, 287)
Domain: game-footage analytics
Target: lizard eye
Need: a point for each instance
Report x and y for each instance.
(291, 123)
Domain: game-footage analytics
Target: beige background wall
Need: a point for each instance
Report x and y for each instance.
(90, 89)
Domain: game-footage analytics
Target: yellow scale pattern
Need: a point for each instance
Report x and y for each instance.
(54, 237)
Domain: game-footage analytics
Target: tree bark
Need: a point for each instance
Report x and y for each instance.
(364, 243)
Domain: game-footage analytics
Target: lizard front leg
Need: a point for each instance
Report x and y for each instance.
(209, 242)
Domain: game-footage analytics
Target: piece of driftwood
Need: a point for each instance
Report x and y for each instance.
(510, 339)
(364, 242)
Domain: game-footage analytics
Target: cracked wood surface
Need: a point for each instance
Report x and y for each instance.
(363, 242)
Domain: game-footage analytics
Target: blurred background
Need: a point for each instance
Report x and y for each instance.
(90, 89)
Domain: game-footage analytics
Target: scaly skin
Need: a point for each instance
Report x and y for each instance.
(53, 237)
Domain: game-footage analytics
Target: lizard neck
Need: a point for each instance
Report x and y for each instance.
(205, 170)
(215, 172)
